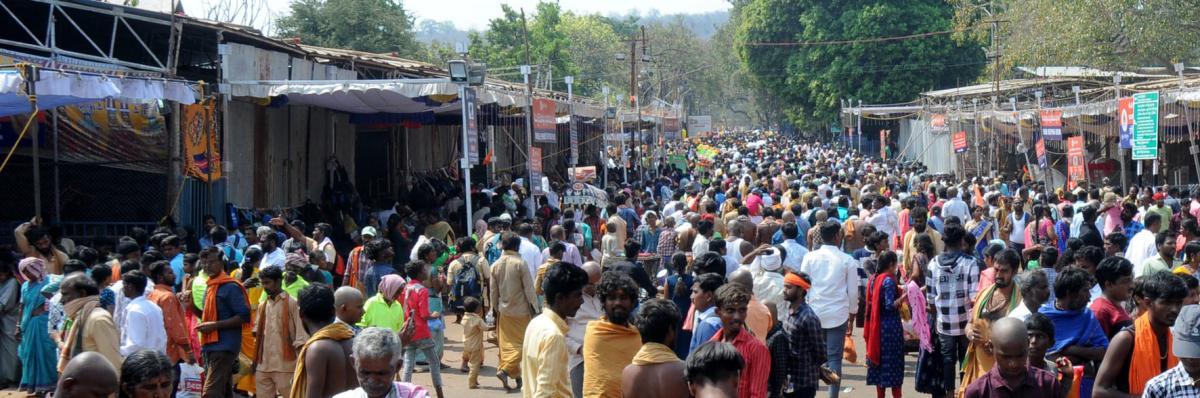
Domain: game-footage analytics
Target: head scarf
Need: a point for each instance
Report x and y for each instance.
(390, 285)
(795, 280)
(296, 259)
(33, 266)
(769, 261)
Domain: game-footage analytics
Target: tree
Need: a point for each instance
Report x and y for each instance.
(1109, 34)
(592, 52)
(812, 78)
(377, 26)
(254, 13)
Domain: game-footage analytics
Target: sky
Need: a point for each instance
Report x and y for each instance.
(474, 14)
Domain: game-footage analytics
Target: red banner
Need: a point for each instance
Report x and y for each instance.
(960, 141)
(1125, 121)
(939, 121)
(1075, 161)
(1052, 125)
(545, 126)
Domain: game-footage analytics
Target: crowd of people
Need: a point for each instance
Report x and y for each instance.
(744, 274)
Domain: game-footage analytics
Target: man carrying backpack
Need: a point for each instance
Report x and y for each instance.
(468, 276)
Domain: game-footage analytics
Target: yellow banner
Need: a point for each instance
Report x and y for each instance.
(201, 149)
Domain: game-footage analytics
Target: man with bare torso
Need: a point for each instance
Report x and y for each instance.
(656, 370)
(323, 366)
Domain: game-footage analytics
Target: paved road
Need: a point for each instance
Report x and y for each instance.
(855, 375)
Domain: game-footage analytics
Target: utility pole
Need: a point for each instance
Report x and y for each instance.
(636, 135)
(1120, 149)
(525, 70)
(1022, 147)
(975, 120)
(1087, 174)
(859, 125)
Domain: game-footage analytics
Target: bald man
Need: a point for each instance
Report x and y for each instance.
(87, 375)
(758, 318)
(591, 310)
(348, 305)
(1010, 344)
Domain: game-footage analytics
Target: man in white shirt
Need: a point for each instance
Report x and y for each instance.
(834, 296)
(794, 253)
(268, 241)
(529, 251)
(143, 324)
(704, 231)
(592, 309)
(884, 219)
(121, 303)
(955, 207)
(1142, 247)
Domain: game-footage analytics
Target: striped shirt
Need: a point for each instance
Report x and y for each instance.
(753, 382)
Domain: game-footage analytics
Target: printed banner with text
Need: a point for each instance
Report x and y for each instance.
(545, 126)
(1125, 120)
(1075, 161)
(1052, 125)
(1040, 148)
(535, 167)
(960, 141)
(198, 125)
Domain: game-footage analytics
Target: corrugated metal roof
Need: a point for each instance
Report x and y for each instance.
(385, 59)
(1081, 72)
(987, 88)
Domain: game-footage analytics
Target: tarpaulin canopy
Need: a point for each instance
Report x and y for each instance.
(55, 88)
(371, 96)
(385, 96)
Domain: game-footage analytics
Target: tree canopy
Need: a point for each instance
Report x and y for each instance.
(1107, 34)
(811, 75)
(378, 26)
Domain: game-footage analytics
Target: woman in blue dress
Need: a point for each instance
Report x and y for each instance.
(678, 289)
(39, 356)
(884, 335)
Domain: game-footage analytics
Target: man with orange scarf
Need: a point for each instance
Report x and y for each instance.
(610, 343)
(226, 315)
(279, 335)
(1138, 353)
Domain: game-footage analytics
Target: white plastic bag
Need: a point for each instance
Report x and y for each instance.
(191, 381)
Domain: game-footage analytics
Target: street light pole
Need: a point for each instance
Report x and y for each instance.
(525, 70)
(574, 139)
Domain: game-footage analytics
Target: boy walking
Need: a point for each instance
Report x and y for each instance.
(473, 329)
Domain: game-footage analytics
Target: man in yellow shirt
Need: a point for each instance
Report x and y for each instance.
(513, 301)
(544, 354)
(919, 217)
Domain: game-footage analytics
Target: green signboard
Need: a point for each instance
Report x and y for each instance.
(679, 161)
(1145, 126)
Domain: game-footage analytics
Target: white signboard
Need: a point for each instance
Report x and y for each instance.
(699, 125)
